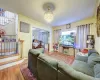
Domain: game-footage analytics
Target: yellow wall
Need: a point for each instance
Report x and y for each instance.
(27, 37)
(75, 24)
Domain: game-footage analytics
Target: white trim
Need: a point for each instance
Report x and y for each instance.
(9, 58)
(7, 53)
(11, 64)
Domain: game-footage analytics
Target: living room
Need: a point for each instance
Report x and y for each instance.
(71, 50)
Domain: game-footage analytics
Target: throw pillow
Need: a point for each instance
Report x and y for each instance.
(92, 60)
(83, 67)
(84, 51)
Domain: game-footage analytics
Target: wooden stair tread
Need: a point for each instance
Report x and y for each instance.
(2, 57)
(11, 61)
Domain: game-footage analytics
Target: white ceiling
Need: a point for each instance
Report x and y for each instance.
(66, 11)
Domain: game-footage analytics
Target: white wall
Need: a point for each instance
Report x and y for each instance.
(10, 28)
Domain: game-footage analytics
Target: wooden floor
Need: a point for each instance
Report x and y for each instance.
(62, 57)
(12, 73)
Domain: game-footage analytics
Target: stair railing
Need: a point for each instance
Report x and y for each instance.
(8, 45)
(6, 17)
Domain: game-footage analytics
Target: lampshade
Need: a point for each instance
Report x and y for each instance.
(48, 16)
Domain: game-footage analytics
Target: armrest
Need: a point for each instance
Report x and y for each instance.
(81, 58)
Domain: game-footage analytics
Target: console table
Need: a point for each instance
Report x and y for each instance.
(72, 51)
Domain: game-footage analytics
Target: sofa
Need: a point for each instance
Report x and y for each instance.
(32, 59)
(88, 64)
(44, 67)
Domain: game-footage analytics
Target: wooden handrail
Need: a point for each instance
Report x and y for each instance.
(21, 41)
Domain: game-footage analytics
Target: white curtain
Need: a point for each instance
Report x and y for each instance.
(82, 32)
(45, 36)
(57, 34)
(41, 36)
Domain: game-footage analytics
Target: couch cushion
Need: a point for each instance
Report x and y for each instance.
(47, 67)
(36, 51)
(97, 70)
(48, 59)
(93, 59)
(67, 70)
(97, 76)
(94, 54)
(97, 59)
(92, 51)
(81, 58)
(83, 67)
(32, 60)
(40, 50)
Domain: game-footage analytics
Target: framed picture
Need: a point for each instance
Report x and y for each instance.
(98, 21)
(24, 27)
(68, 26)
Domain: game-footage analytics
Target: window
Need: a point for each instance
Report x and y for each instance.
(68, 38)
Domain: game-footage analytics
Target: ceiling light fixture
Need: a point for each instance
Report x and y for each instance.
(48, 15)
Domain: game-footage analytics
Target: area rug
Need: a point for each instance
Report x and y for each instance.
(26, 72)
(62, 57)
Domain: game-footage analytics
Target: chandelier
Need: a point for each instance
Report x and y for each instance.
(48, 15)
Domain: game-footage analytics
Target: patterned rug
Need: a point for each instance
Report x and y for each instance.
(63, 57)
(26, 72)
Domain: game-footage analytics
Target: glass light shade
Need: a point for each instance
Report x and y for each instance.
(48, 16)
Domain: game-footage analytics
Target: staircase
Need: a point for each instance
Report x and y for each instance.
(9, 61)
(8, 38)
(9, 55)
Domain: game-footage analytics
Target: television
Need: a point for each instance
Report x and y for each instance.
(67, 39)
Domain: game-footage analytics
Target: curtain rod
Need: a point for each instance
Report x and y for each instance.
(57, 29)
(86, 24)
(79, 25)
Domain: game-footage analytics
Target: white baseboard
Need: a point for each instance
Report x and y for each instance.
(9, 58)
(11, 64)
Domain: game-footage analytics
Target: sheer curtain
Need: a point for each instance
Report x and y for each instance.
(41, 36)
(45, 36)
(82, 32)
(57, 34)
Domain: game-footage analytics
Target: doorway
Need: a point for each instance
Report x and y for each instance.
(40, 39)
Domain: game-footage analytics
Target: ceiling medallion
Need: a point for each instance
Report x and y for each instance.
(48, 15)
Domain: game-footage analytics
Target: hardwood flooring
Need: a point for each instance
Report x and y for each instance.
(11, 73)
(62, 57)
